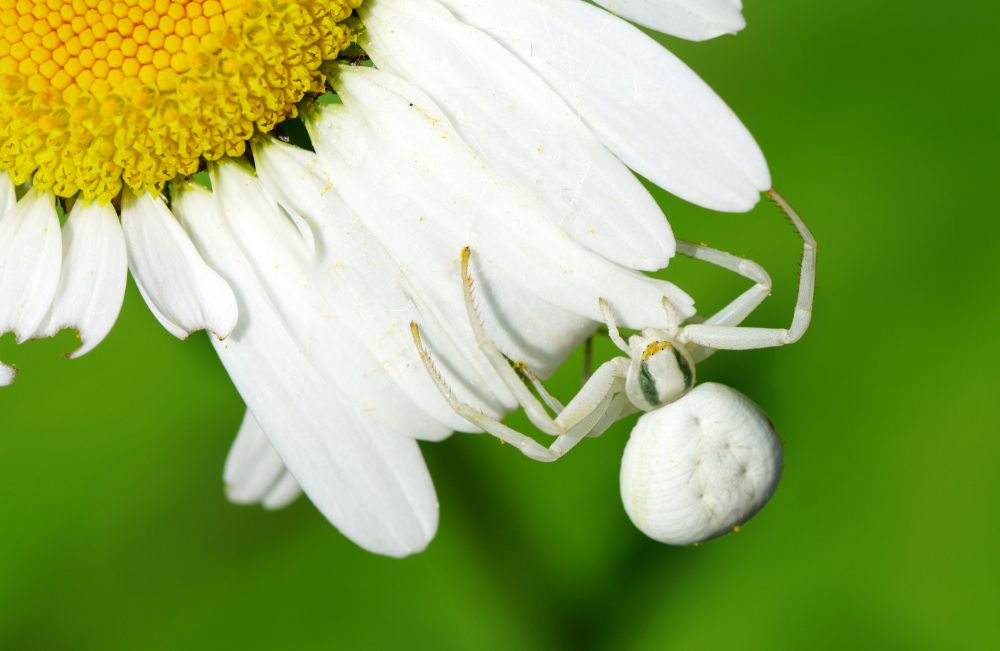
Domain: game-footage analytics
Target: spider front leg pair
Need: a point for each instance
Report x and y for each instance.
(701, 460)
(596, 407)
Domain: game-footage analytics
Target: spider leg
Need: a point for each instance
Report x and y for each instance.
(743, 305)
(722, 332)
(609, 321)
(618, 409)
(533, 407)
(589, 409)
(608, 380)
(550, 400)
(534, 450)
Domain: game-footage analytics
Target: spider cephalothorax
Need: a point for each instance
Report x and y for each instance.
(661, 370)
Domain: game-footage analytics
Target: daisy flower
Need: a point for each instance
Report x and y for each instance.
(511, 126)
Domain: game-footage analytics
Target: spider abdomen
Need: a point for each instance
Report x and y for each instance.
(698, 467)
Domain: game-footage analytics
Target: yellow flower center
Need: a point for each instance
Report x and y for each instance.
(97, 93)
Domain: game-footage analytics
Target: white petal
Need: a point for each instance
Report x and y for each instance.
(7, 375)
(253, 466)
(695, 20)
(8, 196)
(521, 128)
(373, 183)
(7, 201)
(370, 483)
(94, 271)
(649, 108)
(286, 490)
(305, 230)
(365, 276)
(30, 259)
(321, 309)
(183, 292)
(418, 169)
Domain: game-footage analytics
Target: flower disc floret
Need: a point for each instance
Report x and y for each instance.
(97, 94)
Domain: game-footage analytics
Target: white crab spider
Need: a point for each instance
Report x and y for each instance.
(701, 460)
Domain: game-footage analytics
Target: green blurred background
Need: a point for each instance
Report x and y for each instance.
(880, 121)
